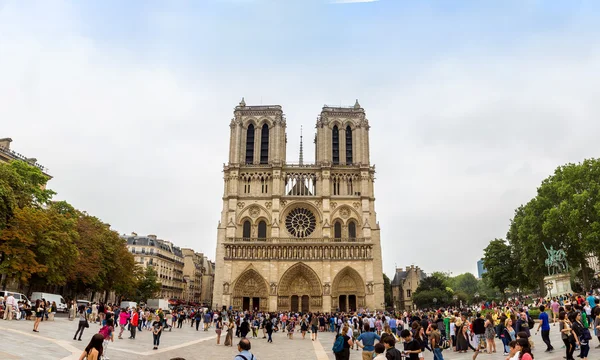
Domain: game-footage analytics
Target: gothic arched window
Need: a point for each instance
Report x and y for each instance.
(264, 144)
(247, 229)
(335, 145)
(337, 230)
(250, 144)
(348, 145)
(352, 230)
(262, 230)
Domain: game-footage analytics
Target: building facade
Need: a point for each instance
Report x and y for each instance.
(198, 276)
(404, 284)
(7, 155)
(480, 268)
(164, 257)
(300, 237)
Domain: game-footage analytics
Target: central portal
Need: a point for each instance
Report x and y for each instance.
(300, 290)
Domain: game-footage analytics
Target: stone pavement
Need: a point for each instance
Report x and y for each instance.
(55, 342)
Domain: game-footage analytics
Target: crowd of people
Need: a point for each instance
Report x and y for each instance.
(379, 335)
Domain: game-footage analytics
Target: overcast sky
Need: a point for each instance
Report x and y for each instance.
(471, 106)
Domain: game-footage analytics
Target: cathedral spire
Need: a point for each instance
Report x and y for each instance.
(243, 103)
(301, 162)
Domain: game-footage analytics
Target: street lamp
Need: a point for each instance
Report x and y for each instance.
(549, 286)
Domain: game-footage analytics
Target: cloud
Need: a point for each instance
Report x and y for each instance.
(134, 124)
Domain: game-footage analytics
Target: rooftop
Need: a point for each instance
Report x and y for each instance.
(9, 154)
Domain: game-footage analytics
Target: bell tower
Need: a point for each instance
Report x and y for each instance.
(342, 136)
(257, 135)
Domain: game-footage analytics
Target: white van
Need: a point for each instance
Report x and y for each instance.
(16, 295)
(61, 304)
(128, 304)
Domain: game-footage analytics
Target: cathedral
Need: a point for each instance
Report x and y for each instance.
(298, 236)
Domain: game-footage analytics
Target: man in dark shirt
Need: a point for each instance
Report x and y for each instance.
(479, 331)
(411, 347)
(390, 346)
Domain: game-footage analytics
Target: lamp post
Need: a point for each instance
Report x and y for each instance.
(549, 286)
(455, 297)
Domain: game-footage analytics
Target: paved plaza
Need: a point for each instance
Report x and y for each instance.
(55, 341)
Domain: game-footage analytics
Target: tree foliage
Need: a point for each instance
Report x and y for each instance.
(564, 214)
(45, 243)
(387, 286)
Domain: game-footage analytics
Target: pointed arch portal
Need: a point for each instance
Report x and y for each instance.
(348, 290)
(250, 291)
(300, 289)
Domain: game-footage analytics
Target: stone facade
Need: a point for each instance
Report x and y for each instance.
(300, 237)
(404, 284)
(7, 155)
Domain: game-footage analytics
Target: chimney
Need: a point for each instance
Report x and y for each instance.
(133, 233)
(5, 142)
(408, 268)
(153, 237)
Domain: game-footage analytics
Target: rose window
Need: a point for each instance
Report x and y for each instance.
(300, 222)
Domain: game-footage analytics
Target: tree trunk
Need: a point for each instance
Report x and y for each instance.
(584, 275)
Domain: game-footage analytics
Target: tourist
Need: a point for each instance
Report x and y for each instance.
(39, 314)
(582, 334)
(218, 328)
(207, 320)
(244, 347)
(107, 332)
(244, 328)
(490, 334)
(157, 328)
(567, 335)
(344, 353)
(72, 310)
(391, 353)
(83, 323)
(134, 323)
(269, 329)
(367, 341)
(303, 326)
(314, 326)
(379, 351)
(11, 305)
(555, 310)
(228, 329)
(544, 324)
(524, 349)
(435, 337)
(412, 349)
(513, 353)
(95, 349)
(123, 321)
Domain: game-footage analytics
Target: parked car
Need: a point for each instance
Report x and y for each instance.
(18, 296)
(61, 304)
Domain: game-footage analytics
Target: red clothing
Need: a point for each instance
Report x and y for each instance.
(134, 319)
(526, 357)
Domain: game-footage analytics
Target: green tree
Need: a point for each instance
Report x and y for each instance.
(499, 263)
(147, 284)
(466, 283)
(431, 298)
(565, 214)
(387, 287)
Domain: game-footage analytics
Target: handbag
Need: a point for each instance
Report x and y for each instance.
(87, 324)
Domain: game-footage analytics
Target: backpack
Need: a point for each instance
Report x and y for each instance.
(530, 322)
(243, 357)
(105, 331)
(585, 334)
(444, 343)
(338, 345)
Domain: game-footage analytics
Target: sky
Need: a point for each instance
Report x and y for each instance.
(471, 105)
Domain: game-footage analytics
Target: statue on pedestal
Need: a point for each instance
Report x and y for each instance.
(556, 261)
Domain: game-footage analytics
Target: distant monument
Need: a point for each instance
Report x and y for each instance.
(558, 281)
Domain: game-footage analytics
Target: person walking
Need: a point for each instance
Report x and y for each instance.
(83, 323)
(544, 325)
(123, 320)
(269, 328)
(314, 326)
(244, 347)
(219, 328)
(567, 335)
